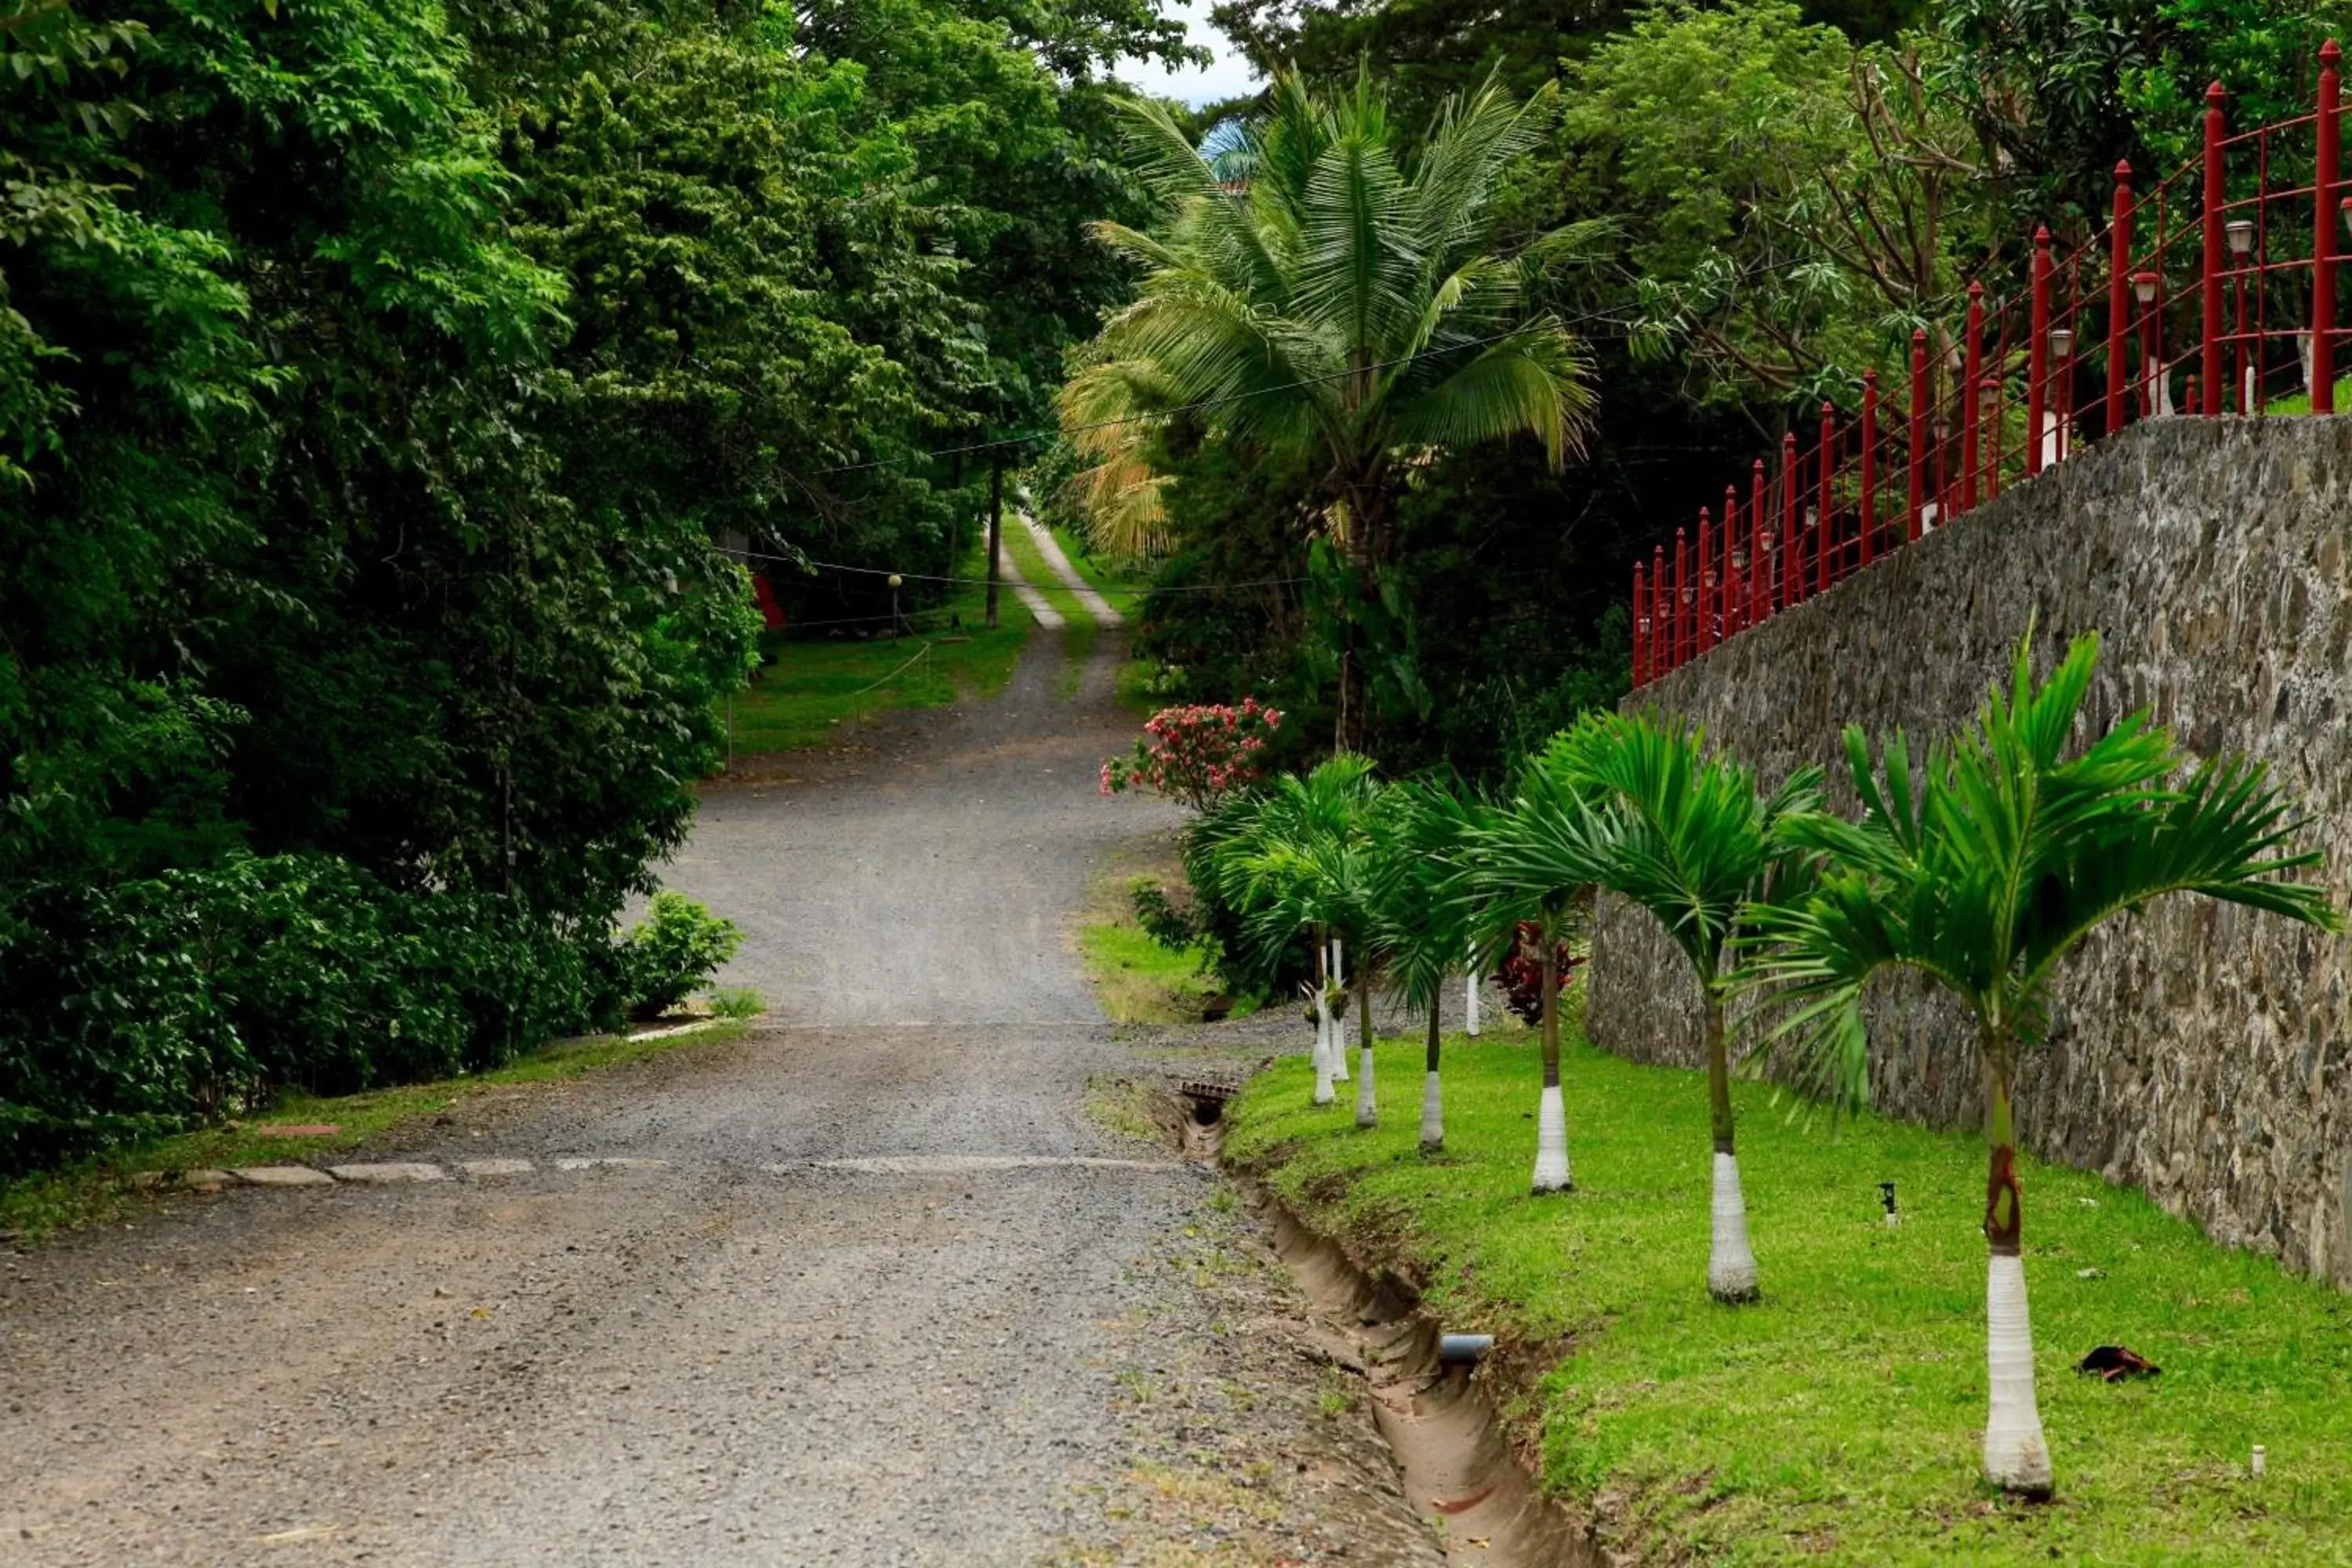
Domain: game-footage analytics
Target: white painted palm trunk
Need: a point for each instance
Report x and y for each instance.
(1470, 1003)
(2015, 1457)
(1551, 1143)
(1368, 1109)
(1433, 1113)
(1731, 1266)
(1324, 1094)
(1340, 1018)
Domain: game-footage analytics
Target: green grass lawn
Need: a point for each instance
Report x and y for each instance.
(103, 1186)
(1837, 1422)
(815, 687)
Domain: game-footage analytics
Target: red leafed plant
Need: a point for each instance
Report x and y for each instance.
(1197, 755)
(1522, 972)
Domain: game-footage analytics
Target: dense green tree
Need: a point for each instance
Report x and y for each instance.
(1344, 301)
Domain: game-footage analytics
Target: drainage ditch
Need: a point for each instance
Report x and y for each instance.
(1428, 1405)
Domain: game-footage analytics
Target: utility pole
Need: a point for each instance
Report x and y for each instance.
(995, 527)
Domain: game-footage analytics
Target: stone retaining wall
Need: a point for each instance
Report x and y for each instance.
(2198, 1051)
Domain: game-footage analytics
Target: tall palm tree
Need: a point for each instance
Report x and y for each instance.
(1536, 862)
(1344, 300)
(1690, 841)
(1984, 879)
(1424, 927)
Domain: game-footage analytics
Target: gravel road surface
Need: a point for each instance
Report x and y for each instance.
(866, 1286)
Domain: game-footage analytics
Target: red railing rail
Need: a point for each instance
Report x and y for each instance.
(2193, 299)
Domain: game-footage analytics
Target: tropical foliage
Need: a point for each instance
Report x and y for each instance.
(1321, 293)
(1688, 839)
(1984, 876)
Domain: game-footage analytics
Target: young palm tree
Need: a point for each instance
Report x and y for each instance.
(1691, 842)
(1536, 862)
(2006, 857)
(1303, 858)
(1423, 926)
(1343, 302)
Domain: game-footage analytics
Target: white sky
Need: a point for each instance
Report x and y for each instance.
(1229, 77)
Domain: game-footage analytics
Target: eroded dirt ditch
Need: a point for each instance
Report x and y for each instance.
(1433, 1412)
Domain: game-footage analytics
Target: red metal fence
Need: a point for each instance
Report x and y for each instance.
(2230, 265)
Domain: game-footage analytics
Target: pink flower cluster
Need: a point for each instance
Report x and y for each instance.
(1196, 755)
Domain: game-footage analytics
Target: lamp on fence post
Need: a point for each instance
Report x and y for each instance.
(2119, 287)
(2037, 353)
(1735, 564)
(1707, 582)
(1869, 460)
(1760, 524)
(1971, 371)
(2210, 291)
(2143, 285)
(1641, 629)
(1792, 559)
(1738, 576)
(1821, 562)
(1660, 615)
(2322, 237)
(1988, 418)
(2240, 235)
(2062, 356)
(1682, 601)
(1918, 419)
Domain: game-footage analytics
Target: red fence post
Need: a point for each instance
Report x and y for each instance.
(1661, 614)
(1759, 526)
(2118, 295)
(2211, 292)
(1971, 373)
(1641, 629)
(1708, 598)
(2037, 353)
(1735, 568)
(1682, 598)
(1821, 520)
(1793, 560)
(1869, 460)
(1919, 416)
(2323, 239)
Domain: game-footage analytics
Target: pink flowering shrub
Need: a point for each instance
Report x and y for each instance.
(1197, 755)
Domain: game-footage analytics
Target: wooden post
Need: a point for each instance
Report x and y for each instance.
(995, 529)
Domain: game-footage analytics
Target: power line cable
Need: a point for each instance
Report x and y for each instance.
(976, 582)
(1021, 438)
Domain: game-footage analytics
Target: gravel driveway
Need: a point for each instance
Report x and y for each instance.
(867, 1285)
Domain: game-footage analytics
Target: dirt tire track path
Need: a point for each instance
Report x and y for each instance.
(731, 1358)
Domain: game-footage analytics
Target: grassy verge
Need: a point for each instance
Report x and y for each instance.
(105, 1187)
(813, 686)
(1838, 1421)
(1136, 979)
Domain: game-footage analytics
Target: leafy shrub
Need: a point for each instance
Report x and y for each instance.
(141, 1007)
(673, 949)
(1197, 755)
(1522, 972)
